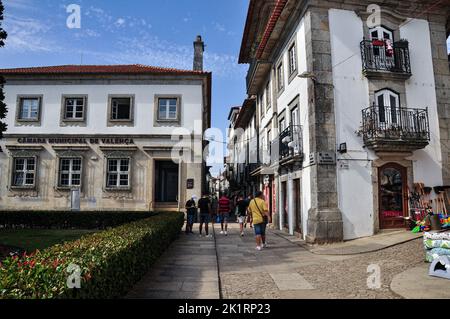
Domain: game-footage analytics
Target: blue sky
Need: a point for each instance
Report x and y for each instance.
(153, 32)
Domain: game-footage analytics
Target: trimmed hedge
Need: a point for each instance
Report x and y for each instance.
(67, 220)
(111, 262)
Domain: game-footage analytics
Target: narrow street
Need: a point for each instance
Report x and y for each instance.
(192, 266)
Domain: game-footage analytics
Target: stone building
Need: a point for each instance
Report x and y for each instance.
(128, 137)
(354, 106)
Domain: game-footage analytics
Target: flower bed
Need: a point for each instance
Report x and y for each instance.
(68, 220)
(111, 261)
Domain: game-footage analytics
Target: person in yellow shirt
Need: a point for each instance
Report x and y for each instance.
(260, 217)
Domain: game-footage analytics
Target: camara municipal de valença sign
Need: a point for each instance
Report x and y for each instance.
(75, 140)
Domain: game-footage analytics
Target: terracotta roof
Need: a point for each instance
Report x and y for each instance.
(98, 69)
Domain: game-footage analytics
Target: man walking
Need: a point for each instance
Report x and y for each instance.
(204, 204)
(224, 212)
(191, 211)
(214, 208)
(260, 217)
(242, 206)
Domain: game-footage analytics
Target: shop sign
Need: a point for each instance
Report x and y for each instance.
(322, 158)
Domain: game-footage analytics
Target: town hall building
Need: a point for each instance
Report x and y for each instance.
(128, 137)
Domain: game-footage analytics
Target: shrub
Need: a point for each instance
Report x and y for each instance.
(67, 220)
(111, 262)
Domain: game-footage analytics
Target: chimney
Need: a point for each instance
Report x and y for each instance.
(199, 48)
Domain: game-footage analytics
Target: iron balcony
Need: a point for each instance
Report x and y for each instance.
(379, 61)
(395, 129)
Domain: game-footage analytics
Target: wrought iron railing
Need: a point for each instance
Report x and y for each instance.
(377, 56)
(392, 123)
(290, 142)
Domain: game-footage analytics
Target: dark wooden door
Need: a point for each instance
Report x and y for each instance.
(393, 197)
(298, 206)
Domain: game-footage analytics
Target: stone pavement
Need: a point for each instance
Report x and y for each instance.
(380, 241)
(231, 267)
(187, 270)
(415, 283)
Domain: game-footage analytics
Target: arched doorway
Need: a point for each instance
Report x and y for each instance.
(393, 196)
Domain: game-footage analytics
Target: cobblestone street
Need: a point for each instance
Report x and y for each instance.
(191, 267)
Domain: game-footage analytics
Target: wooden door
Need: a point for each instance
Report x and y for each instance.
(393, 196)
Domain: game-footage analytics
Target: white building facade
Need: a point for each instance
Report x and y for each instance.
(355, 113)
(127, 137)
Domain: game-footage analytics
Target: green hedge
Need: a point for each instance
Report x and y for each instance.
(111, 262)
(67, 220)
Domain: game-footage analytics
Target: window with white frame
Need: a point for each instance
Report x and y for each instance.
(121, 108)
(282, 125)
(168, 109)
(70, 170)
(74, 108)
(280, 77)
(388, 103)
(268, 95)
(292, 59)
(29, 108)
(261, 106)
(24, 172)
(295, 117)
(118, 173)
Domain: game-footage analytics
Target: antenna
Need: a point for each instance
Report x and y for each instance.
(81, 62)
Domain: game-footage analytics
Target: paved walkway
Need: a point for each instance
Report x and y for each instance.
(230, 267)
(187, 270)
(380, 241)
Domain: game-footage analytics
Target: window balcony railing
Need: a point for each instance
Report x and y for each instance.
(290, 143)
(395, 129)
(377, 56)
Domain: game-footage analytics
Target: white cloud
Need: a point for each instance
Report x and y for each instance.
(120, 22)
(28, 35)
(17, 4)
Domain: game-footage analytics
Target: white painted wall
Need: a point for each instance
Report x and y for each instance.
(421, 93)
(355, 194)
(191, 109)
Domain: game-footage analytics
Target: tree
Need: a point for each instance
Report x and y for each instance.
(3, 109)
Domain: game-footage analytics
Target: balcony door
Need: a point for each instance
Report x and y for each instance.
(388, 108)
(393, 196)
(382, 55)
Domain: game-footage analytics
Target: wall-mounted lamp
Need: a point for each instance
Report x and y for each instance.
(342, 148)
(308, 75)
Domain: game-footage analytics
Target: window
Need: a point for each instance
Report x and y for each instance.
(282, 125)
(70, 172)
(29, 108)
(294, 117)
(24, 172)
(168, 109)
(388, 106)
(268, 96)
(280, 77)
(74, 108)
(121, 109)
(261, 106)
(118, 173)
(292, 59)
(381, 33)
